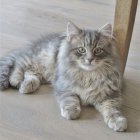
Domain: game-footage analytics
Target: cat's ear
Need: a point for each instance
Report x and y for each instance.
(106, 29)
(72, 31)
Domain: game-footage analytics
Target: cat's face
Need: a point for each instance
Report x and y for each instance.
(90, 49)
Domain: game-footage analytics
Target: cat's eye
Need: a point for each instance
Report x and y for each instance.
(81, 50)
(98, 51)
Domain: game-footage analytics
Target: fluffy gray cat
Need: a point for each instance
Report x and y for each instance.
(82, 65)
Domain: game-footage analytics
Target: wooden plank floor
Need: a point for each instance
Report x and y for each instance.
(37, 117)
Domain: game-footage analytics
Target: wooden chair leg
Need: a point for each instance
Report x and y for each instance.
(125, 12)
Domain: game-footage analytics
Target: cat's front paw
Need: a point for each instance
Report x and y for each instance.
(117, 123)
(70, 112)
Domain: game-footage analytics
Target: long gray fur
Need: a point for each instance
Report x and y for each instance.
(83, 66)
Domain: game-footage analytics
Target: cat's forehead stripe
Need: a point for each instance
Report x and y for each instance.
(86, 40)
(89, 39)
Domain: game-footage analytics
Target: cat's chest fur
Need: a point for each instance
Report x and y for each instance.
(93, 88)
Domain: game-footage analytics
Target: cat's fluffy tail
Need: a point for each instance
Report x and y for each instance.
(6, 65)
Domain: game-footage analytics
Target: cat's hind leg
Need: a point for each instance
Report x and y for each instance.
(16, 76)
(6, 66)
(30, 83)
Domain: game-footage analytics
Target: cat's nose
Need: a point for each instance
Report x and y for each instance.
(89, 60)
